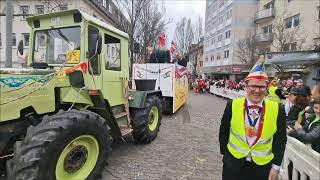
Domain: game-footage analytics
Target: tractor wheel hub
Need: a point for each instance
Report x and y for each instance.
(75, 159)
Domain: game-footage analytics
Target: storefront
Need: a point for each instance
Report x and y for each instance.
(232, 72)
(303, 65)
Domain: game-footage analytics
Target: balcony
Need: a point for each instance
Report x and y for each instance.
(264, 15)
(264, 38)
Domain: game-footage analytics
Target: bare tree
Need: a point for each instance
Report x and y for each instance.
(246, 49)
(147, 22)
(184, 34)
(284, 36)
(53, 6)
(198, 30)
(150, 25)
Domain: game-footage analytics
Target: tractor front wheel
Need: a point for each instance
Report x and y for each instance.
(69, 145)
(146, 122)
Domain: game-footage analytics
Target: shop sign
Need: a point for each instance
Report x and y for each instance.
(236, 69)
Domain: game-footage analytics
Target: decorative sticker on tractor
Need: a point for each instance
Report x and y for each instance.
(61, 75)
(181, 87)
(16, 82)
(73, 57)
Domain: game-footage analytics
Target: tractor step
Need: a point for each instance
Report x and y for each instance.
(125, 131)
(119, 115)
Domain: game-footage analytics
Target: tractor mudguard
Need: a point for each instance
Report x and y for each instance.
(138, 98)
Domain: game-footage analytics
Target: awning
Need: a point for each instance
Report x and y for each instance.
(295, 57)
(227, 69)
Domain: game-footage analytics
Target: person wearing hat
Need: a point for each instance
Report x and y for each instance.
(298, 97)
(275, 93)
(252, 133)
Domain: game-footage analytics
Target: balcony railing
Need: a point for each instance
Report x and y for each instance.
(264, 14)
(264, 37)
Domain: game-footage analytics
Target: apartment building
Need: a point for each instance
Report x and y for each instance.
(195, 53)
(300, 25)
(289, 31)
(227, 21)
(104, 10)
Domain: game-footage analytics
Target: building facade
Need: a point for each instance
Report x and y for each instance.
(226, 23)
(287, 25)
(195, 64)
(288, 31)
(104, 10)
(276, 25)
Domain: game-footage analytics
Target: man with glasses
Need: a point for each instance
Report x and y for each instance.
(253, 132)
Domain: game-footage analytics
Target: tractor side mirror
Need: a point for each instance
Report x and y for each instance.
(99, 44)
(20, 47)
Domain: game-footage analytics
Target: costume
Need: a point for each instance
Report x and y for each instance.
(272, 94)
(252, 135)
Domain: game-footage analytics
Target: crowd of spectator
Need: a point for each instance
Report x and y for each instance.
(302, 106)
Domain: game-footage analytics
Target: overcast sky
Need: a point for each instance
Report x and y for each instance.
(177, 9)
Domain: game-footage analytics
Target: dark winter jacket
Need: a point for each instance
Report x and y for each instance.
(309, 135)
(293, 114)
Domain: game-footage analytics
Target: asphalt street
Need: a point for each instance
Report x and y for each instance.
(184, 149)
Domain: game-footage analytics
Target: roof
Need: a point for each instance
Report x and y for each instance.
(84, 16)
(294, 57)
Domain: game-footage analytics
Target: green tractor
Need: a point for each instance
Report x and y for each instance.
(59, 116)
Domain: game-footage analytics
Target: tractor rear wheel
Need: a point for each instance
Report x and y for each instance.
(146, 122)
(69, 145)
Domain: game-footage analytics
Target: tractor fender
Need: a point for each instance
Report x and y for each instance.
(137, 98)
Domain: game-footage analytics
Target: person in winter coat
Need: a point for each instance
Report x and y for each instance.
(314, 94)
(300, 102)
(310, 132)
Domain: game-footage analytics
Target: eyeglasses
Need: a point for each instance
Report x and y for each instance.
(253, 88)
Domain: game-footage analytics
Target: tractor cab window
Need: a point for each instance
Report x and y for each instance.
(57, 46)
(93, 36)
(112, 53)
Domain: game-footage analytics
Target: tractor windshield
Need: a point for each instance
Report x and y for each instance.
(56, 46)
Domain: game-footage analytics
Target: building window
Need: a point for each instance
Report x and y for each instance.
(267, 29)
(24, 10)
(63, 7)
(0, 40)
(226, 54)
(43, 40)
(319, 13)
(211, 58)
(293, 21)
(104, 3)
(289, 1)
(201, 63)
(268, 5)
(113, 61)
(14, 40)
(39, 9)
(229, 14)
(206, 59)
(218, 57)
(110, 8)
(25, 37)
(228, 34)
(220, 38)
(290, 47)
(220, 19)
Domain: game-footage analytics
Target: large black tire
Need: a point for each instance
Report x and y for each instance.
(141, 119)
(37, 155)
